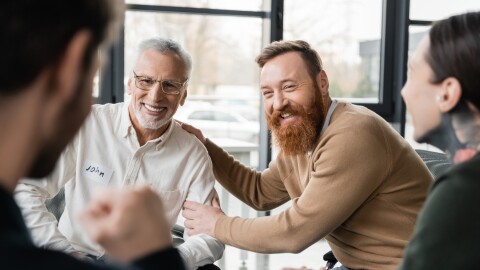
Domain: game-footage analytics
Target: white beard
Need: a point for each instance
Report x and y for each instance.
(150, 122)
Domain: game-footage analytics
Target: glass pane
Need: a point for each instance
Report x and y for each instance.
(96, 85)
(246, 5)
(347, 34)
(416, 34)
(223, 87)
(431, 10)
(350, 51)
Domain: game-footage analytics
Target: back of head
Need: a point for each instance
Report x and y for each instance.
(454, 49)
(35, 34)
(166, 46)
(309, 55)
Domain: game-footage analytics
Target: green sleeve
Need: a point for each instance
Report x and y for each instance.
(447, 233)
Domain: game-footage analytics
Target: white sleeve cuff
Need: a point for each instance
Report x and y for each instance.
(186, 258)
(200, 250)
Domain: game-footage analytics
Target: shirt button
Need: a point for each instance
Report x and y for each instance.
(130, 181)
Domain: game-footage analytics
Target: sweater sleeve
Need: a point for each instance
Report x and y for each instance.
(348, 166)
(261, 191)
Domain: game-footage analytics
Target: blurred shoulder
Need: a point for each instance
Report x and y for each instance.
(462, 176)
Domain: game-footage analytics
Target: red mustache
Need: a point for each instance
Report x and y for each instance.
(275, 117)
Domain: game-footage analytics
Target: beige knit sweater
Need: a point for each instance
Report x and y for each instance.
(361, 188)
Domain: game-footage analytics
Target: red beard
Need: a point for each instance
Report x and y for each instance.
(298, 138)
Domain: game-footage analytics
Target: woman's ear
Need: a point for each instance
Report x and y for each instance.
(449, 94)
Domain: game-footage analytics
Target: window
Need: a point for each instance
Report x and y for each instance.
(349, 47)
(224, 80)
(201, 115)
(223, 65)
(96, 85)
(225, 117)
(431, 10)
(252, 5)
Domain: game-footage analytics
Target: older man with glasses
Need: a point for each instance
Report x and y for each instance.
(128, 144)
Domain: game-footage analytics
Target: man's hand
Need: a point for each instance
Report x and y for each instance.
(128, 224)
(200, 218)
(195, 131)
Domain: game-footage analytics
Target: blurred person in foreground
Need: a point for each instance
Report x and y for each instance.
(350, 177)
(128, 144)
(50, 55)
(442, 93)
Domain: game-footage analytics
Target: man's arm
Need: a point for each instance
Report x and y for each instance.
(260, 190)
(342, 179)
(31, 195)
(130, 224)
(201, 249)
(243, 182)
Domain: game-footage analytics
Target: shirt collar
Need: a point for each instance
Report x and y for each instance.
(125, 123)
(166, 135)
(329, 115)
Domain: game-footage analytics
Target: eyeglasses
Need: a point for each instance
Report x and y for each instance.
(168, 87)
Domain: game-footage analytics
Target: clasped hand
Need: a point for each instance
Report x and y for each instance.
(128, 223)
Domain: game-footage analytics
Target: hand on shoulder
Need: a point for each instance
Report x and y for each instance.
(193, 130)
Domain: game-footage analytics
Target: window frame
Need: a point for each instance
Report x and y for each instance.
(394, 48)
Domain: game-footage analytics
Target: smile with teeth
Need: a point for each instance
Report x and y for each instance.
(286, 115)
(153, 108)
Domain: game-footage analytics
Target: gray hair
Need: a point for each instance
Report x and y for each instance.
(166, 46)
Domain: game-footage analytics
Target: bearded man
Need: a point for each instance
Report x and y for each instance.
(350, 177)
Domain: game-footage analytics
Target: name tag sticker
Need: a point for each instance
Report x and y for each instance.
(96, 172)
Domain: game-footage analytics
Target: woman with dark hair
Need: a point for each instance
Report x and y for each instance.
(442, 93)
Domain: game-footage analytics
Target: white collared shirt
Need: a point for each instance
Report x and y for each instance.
(106, 152)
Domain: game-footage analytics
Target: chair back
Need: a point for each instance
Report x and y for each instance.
(437, 163)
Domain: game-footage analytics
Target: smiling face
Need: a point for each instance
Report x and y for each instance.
(152, 110)
(420, 95)
(293, 102)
